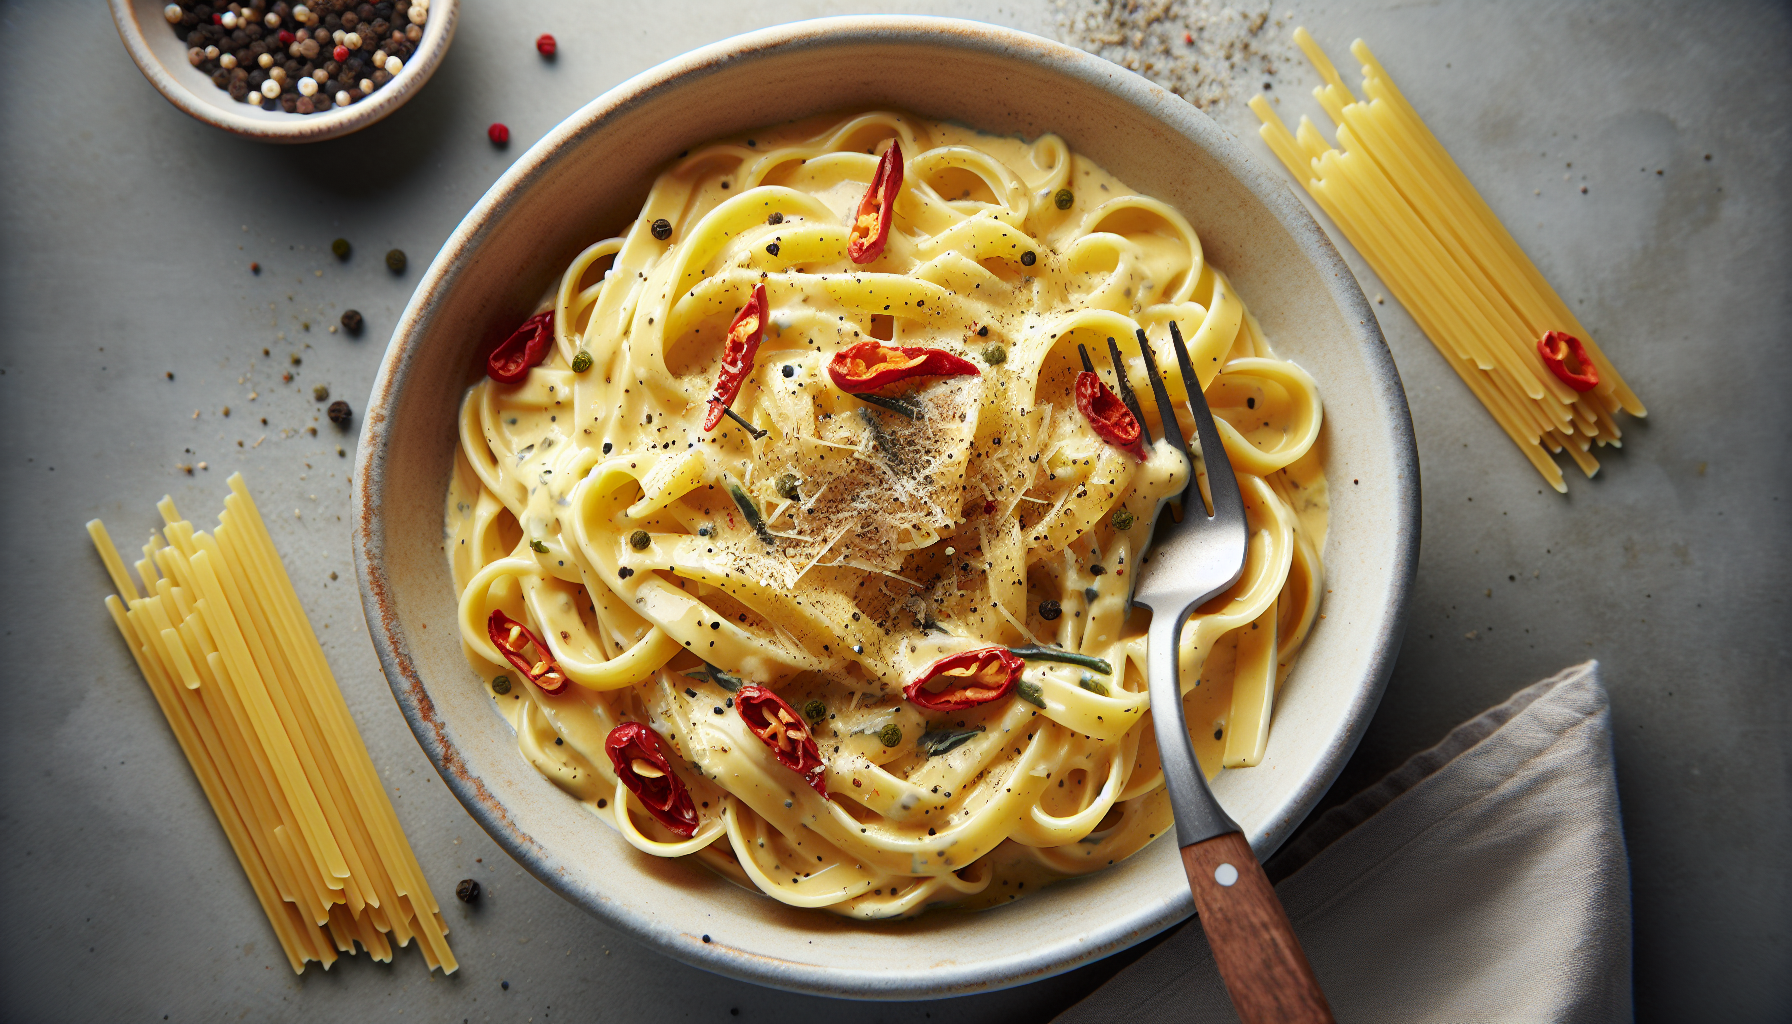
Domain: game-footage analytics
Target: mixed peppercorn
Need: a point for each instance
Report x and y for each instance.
(300, 58)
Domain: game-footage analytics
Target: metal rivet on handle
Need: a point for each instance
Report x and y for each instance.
(1225, 874)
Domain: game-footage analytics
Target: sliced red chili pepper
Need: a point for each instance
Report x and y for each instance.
(513, 638)
(1112, 420)
(871, 228)
(738, 353)
(869, 365)
(966, 680)
(527, 346)
(1557, 349)
(641, 764)
(779, 727)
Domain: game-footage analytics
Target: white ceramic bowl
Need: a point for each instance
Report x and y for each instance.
(162, 57)
(585, 181)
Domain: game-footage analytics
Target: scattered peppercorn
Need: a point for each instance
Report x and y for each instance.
(395, 261)
(787, 486)
(772, 248)
(546, 46)
(339, 411)
(1050, 610)
(1123, 520)
(1028, 258)
(468, 891)
(778, 218)
(639, 540)
(341, 248)
(351, 321)
(501, 685)
(890, 735)
(1063, 199)
(995, 355)
(581, 362)
(499, 134)
(815, 711)
(662, 229)
(320, 393)
(254, 268)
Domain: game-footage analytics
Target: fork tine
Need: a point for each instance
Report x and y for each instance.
(1222, 485)
(1081, 351)
(1166, 414)
(1126, 395)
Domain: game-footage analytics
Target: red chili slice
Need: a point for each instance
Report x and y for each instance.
(738, 353)
(1557, 349)
(966, 680)
(641, 764)
(871, 228)
(513, 638)
(527, 346)
(869, 365)
(780, 728)
(1112, 420)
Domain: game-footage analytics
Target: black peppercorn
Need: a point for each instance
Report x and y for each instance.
(351, 321)
(1050, 610)
(341, 248)
(395, 261)
(775, 218)
(772, 248)
(339, 410)
(1028, 258)
(467, 890)
(662, 229)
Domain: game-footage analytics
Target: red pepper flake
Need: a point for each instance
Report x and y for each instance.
(871, 228)
(1189, 38)
(641, 764)
(499, 134)
(1112, 420)
(1567, 358)
(738, 353)
(966, 680)
(782, 730)
(545, 45)
(513, 639)
(869, 365)
(527, 346)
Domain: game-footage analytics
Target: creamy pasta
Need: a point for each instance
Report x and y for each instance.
(834, 543)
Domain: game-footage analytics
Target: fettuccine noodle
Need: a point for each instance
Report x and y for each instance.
(593, 508)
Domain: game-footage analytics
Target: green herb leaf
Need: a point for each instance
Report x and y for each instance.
(538, 547)
(1093, 685)
(1031, 692)
(1038, 653)
(935, 742)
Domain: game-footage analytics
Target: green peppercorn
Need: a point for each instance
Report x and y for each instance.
(320, 393)
(1050, 610)
(581, 362)
(341, 248)
(787, 487)
(890, 734)
(501, 685)
(815, 711)
(395, 261)
(639, 540)
(1123, 520)
(1063, 199)
(1029, 258)
(995, 355)
(538, 547)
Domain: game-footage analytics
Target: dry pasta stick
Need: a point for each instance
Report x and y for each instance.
(1408, 208)
(220, 637)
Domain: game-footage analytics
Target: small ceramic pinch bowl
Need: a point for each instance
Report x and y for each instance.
(586, 180)
(162, 57)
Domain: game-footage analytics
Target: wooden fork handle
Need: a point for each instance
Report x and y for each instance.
(1266, 973)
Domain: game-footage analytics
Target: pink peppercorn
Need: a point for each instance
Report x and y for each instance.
(286, 38)
(340, 54)
(499, 134)
(546, 45)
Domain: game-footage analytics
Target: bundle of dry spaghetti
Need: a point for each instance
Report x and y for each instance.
(231, 658)
(1396, 194)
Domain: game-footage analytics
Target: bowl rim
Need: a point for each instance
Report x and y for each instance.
(334, 123)
(938, 980)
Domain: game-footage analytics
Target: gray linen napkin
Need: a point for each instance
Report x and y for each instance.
(1486, 879)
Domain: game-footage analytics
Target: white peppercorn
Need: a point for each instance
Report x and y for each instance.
(211, 53)
(172, 12)
(227, 61)
(272, 20)
(394, 65)
(413, 33)
(270, 89)
(342, 99)
(277, 74)
(418, 14)
(379, 58)
(366, 86)
(352, 40)
(307, 87)
(266, 60)
(195, 56)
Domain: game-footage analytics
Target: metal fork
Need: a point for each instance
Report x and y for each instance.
(1261, 961)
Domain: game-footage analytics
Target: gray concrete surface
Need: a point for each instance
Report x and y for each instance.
(125, 234)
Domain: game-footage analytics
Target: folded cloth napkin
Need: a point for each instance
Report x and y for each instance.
(1486, 879)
